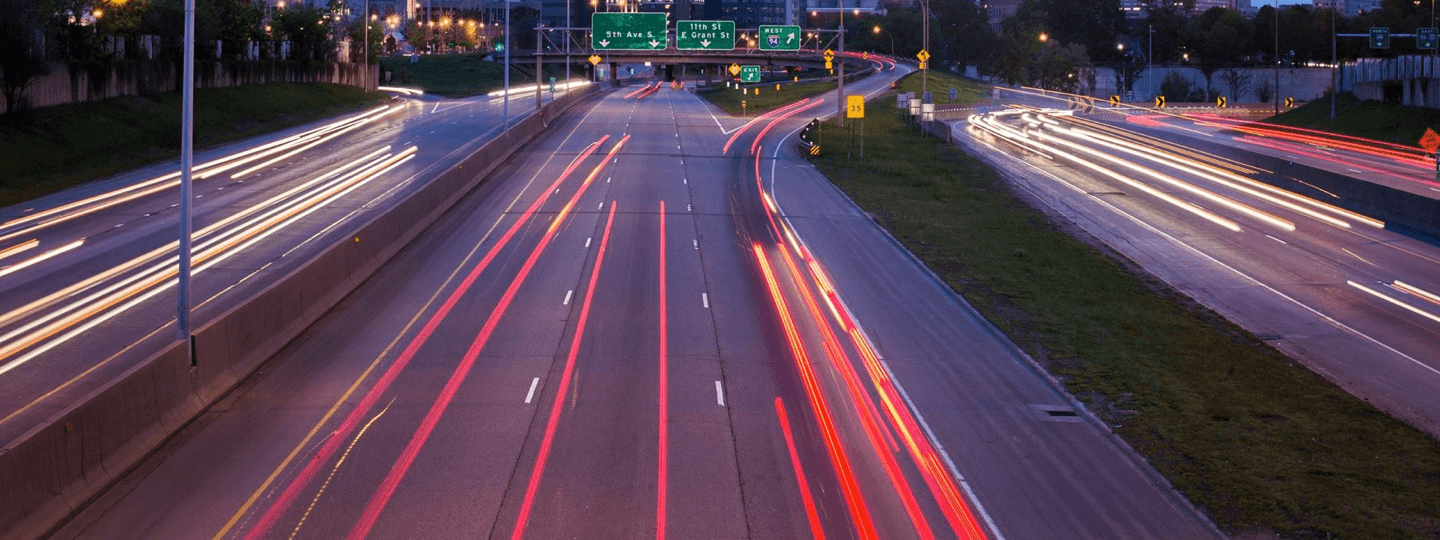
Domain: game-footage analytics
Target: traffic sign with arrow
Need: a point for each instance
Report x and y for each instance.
(734, 69)
(628, 31)
(595, 59)
(829, 55)
(779, 37)
(923, 55)
(750, 74)
(705, 35)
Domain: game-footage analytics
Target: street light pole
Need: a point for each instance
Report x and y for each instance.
(365, 66)
(840, 91)
(1335, 64)
(1277, 57)
(187, 162)
(1150, 59)
(506, 99)
(925, 46)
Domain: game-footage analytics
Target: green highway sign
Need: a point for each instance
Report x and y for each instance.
(779, 38)
(750, 74)
(705, 35)
(1427, 38)
(1379, 37)
(628, 31)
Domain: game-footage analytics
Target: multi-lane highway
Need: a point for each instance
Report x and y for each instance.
(87, 276)
(654, 320)
(1357, 302)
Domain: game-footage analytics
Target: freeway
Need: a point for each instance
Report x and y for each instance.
(1353, 300)
(653, 321)
(87, 276)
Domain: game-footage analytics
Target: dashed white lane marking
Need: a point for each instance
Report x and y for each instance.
(688, 208)
(568, 294)
(687, 182)
(1277, 239)
(719, 394)
(696, 243)
(602, 206)
(705, 299)
(587, 242)
(531, 394)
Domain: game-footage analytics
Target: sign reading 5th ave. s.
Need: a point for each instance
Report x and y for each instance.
(705, 35)
(628, 31)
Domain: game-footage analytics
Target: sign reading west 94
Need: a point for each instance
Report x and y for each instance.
(705, 35)
(628, 31)
(779, 38)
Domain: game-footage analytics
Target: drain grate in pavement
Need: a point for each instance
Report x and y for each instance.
(1055, 413)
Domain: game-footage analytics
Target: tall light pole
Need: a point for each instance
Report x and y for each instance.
(925, 46)
(365, 66)
(506, 98)
(1150, 60)
(187, 162)
(1335, 64)
(840, 91)
(1277, 57)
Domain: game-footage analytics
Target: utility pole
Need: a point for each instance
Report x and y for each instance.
(506, 98)
(1150, 58)
(187, 162)
(365, 66)
(569, 25)
(840, 91)
(924, 46)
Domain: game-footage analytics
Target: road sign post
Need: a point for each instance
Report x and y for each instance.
(749, 74)
(779, 37)
(705, 35)
(628, 31)
(1427, 38)
(1379, 37)
(855, 109)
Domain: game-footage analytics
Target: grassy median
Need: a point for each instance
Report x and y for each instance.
(1369, 119)
(767, 97)
(1257, 441)
(48, 149)
(456, 75)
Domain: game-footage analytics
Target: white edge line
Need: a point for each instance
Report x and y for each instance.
(970, 493)
(975, 500)
(531, 394)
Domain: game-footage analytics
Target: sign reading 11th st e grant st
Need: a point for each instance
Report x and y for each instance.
(628, 31)
(705, 35)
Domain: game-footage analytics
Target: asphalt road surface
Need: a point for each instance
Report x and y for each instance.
(1354, 301)
(653, 321)
(87, 276)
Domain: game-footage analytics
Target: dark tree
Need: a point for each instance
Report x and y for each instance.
(22, 56)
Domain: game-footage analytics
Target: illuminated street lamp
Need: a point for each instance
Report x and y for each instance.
(877, 31)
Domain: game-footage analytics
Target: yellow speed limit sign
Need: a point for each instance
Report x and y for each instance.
(854, 106)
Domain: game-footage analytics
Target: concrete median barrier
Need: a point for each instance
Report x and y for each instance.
(55, 468)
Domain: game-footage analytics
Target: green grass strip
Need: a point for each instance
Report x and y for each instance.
(49, 149)
(1369, 119)
(728, 99)
(461, 75)
(1254, 439)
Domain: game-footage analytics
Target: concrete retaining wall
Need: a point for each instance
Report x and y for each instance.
(54, 469)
